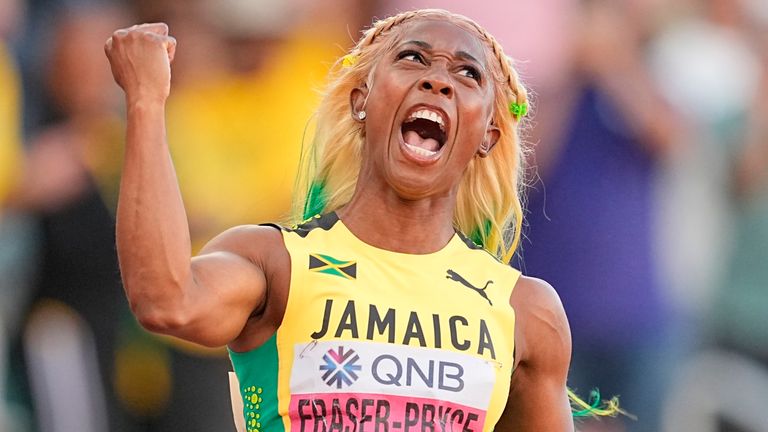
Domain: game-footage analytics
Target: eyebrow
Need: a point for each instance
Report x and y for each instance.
(461, 54)
(419, 43)
(467, 56)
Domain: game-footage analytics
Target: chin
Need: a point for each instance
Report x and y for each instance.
(413, 185)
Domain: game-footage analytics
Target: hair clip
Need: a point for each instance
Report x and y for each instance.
(349, 60)
(518, 110)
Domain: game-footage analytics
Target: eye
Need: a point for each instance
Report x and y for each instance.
(411, 55)
(470, 72)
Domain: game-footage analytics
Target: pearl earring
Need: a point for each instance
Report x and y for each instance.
(361, 115)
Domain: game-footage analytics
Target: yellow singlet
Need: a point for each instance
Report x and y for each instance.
(374, 340)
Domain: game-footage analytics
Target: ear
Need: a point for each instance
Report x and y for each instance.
(492, 135)
(357, 101)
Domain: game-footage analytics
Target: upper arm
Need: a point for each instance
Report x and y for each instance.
(228, 283)
(538, 398)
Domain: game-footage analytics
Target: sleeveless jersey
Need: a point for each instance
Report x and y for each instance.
(374, 340)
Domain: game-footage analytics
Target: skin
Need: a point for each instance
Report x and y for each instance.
(235, 291)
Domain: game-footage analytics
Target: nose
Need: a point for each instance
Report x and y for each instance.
(436, 84)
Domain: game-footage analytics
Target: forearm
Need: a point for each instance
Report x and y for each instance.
(152, 232)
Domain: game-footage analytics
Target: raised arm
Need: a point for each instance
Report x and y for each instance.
(208, 300)
(538, 398)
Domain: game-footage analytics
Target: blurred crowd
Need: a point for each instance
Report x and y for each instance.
(647, 199)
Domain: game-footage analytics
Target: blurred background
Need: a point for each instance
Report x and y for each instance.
(647, 199)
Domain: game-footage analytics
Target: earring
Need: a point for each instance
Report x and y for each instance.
(361, 115)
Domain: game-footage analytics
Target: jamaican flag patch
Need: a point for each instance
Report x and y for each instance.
(320, 263)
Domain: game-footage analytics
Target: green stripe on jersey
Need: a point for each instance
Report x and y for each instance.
(256, 371)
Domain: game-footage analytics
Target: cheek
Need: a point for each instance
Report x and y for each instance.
(386, 97)
(383, 102)
(474, 120)
(478, 108)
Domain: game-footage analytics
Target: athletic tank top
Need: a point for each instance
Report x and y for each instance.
(374, 340)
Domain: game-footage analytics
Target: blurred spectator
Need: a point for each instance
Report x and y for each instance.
(69, 343)
(707, 48)
(739, 309)
(590, 221)
(735, 358)
(241, 130)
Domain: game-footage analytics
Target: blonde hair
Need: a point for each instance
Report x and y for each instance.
(489, 203)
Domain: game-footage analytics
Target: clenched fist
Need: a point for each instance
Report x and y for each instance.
(141, 58)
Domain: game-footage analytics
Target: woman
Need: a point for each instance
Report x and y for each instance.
(377, 311)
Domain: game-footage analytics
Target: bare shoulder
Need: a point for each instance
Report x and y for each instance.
(540, 317)
(533, 296)
(248, 241)
(536, 291)
(261, 248)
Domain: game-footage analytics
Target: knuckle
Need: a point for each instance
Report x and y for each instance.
(147, 36)
(121, 36)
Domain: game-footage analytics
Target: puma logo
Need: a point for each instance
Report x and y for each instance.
(458, 278)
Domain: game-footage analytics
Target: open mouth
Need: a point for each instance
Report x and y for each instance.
(424, 132)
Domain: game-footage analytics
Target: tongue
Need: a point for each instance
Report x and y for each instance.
(414, 139)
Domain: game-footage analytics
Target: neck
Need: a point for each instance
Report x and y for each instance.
(379, 217)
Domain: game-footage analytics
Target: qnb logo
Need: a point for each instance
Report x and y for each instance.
(340, 367)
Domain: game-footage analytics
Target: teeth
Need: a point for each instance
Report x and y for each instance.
(420, 151)
(429, 115)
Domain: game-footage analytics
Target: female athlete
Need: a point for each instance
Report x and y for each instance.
(391, 307)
